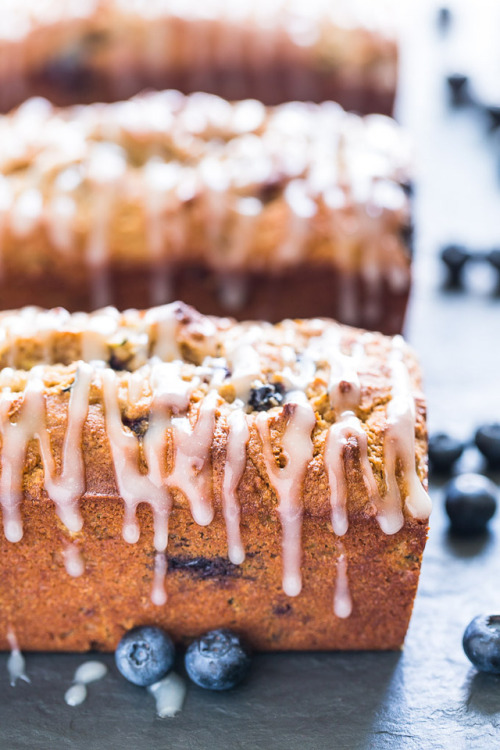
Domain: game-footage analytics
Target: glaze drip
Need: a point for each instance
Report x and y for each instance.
(73, 561)
(105, 168)
(342, 602)
(64, 489)
(344, 391)
(134, 486)
(346, 431)
(237, 440)
(399, 446)
(159, 593)
(287, 481)
(192, 470)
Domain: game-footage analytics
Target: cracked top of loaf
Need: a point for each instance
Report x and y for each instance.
(218, 353)
(235, 184)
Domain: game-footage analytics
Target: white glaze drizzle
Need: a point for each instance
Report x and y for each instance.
(158, 592)
(73, 561)
(160, 180)
(134, 486)
(244, 361)
(95, 330)
(163, 320)
(170, 396)
(237, 439)
(89, 671)
(399, 446)
(297, 447)
(64, 489)
(347, 428)
(16, 665)
(345, 392)
(302, 209)
(192, 468)
(169, 695)
(191, 473)
(107, 165)
(342, 601)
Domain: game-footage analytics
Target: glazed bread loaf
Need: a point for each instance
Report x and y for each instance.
(295, 211)
(272, 50)
(192, 472)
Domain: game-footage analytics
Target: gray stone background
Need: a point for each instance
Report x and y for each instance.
(428, 696)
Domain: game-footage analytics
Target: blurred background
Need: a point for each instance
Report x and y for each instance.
(457, 201)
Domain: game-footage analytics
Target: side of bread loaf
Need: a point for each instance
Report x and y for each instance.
(165, 467)
(272, 51)
(262, 213)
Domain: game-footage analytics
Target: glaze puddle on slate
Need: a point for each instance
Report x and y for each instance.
(89, 671)
(169, 695)
(16, 664)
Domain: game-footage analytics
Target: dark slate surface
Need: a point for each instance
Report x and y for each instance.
(428, 696)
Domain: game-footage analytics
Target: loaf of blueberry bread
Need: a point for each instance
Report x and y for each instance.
(295, 211)
(76, 51)
(169, 468)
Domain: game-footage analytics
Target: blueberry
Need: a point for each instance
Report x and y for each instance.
(119, 363)
(458, 85)
(487, 439)
(69, 72)
(145, 655)
(217, 660)
(493, 258)
(470, 501)
(264, 397)
(407, 234)
(138, 426)
(444, 450)
(408, 187)
(455, 257)
(481, 643)
(444, 19)
(493, 112)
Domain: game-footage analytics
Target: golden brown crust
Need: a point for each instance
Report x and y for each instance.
(47, 609)
(55, 612)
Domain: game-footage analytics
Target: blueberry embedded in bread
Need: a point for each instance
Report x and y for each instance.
(266, 396)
